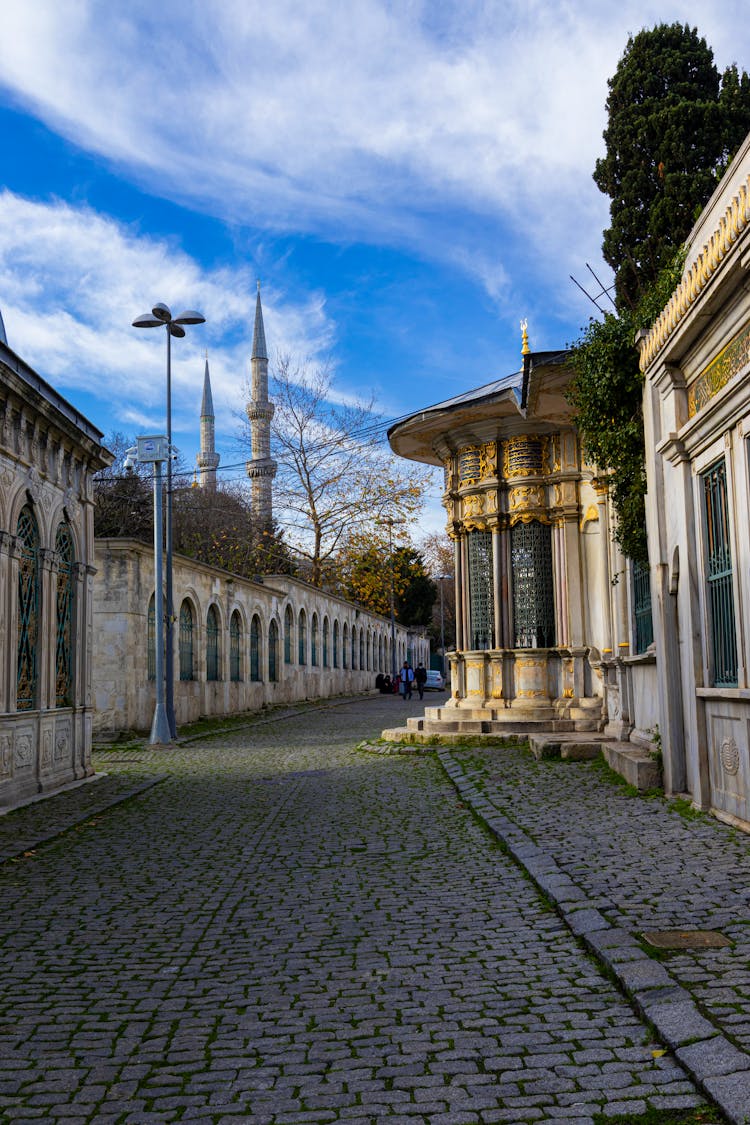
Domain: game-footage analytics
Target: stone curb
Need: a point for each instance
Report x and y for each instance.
(37, 838)
(715, 1064)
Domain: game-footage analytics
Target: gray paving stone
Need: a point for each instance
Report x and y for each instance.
(285, 927)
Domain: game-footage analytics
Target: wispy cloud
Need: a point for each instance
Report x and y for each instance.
(360, 120)
(77, 279)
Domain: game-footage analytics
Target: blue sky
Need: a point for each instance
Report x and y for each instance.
(408, 180)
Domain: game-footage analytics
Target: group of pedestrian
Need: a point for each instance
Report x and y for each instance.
(403, 682)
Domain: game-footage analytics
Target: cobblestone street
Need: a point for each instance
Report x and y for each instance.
(277, 928)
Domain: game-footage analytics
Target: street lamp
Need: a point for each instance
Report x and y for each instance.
(161, 317)
(441, 579)
(389, 521)
(154, 449)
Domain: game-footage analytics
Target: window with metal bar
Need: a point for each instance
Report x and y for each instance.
(719, 577)
(186, 642)
(27, 532)
(288, 632)
(65, 617)
(255, 649)
(302, 638)
(326, 642)
(212, 644)
(335, 644)
(235, 647)
(273, 652)
(345, 646)
(533, 590)
(481, 594)
(361, 649)
(644, 626)
(314, 641)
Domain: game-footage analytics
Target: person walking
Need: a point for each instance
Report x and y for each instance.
(420, 678)
(407, 679)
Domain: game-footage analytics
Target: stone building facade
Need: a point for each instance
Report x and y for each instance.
(239, 645)
(696, 363)
(48, 454)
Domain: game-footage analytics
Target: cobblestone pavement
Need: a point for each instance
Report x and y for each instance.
(289, 930)
(626, 864)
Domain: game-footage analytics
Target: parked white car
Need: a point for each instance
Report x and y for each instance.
(435, 681)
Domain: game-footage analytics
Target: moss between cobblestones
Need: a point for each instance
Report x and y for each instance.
(704, 1115)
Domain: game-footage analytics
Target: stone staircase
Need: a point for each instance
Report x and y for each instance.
(571, 730)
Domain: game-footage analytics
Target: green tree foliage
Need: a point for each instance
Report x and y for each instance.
(674, 123)
(214, 527)
(607, 392)
(364, 566)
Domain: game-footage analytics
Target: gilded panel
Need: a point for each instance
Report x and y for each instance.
(728, 363)
(525, 456)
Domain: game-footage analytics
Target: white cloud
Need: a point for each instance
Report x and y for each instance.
(357, 120)
(77, 280)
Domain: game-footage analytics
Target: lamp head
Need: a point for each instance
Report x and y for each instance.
(162, 313)
(147, 321)
(189, 316)
(175, 329)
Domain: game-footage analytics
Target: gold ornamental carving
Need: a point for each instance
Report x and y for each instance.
(732, 224)
(526, 503)
(488, 459)
(468, 460)
(525, 456)
(728, 363)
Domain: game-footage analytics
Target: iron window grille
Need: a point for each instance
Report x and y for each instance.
(302, 638)
(186, 642)
(719, 576)
(314, 641)
(481, 594)
(288, 629)
(326, 640)
(273, 652)
(235, 648)
(335, 644)
(65, 617)
(255, 649)
(27, 532)
(533, 589)
(212, 644)
(644, 625)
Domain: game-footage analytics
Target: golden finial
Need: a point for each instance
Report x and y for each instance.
(525, 349)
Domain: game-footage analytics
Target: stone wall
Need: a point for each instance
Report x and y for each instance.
(124, 695)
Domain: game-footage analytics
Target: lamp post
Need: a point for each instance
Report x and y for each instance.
(155, 449)
(389, 521)
(441, 579)
(161, 317)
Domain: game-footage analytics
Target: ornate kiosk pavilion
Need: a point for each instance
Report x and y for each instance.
(531, 535)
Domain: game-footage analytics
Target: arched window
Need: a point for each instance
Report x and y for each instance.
(361, 649)
(235, 647)
(314, 641)
(212, 644)
(288, 631)
(345, 646)
(354, 646)
(335, 644)
(65, 612)
(380, 652)
(326, 638)
(302, 638)
(273, 652)
(369, 651)
(28, 609)
(186, 641)
(151, 638)
(255, 649)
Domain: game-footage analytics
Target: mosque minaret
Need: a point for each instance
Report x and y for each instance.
(261, 468)
(208, 458)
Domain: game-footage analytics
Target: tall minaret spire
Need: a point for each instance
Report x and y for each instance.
(261, 469)
(208, 458)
